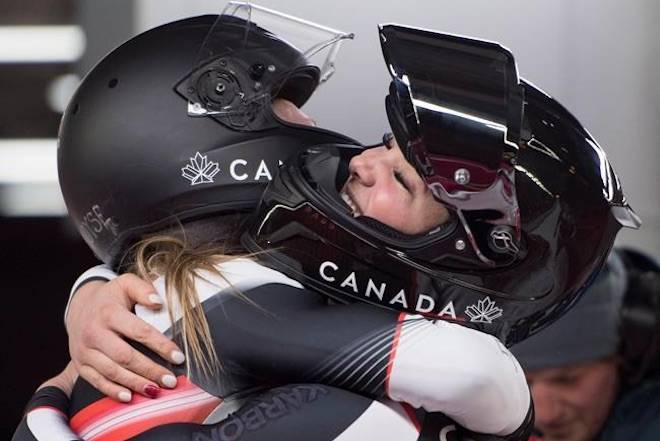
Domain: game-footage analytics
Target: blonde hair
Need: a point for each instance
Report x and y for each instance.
(179, 262)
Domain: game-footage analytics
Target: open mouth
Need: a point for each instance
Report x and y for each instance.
(355, 211)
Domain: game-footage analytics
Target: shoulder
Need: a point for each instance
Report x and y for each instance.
(243, 273)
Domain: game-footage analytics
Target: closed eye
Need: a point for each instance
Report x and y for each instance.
(401, 181)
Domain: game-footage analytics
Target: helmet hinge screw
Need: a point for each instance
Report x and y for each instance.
(462, 176)
(460, 245)
(271, 68)
(220, 88)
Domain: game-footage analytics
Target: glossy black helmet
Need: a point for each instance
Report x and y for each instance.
(535, 204)
(176, 124)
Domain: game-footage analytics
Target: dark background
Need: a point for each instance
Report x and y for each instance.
(40, 259)
(41, 255)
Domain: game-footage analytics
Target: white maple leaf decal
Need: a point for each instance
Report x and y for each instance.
(484, 311)
(200, 170)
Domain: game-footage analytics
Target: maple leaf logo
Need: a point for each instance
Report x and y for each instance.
(484, 311)
(200, 170)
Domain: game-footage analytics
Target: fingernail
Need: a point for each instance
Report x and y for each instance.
(151, 391)
(177, 357)
(155, 298)
(168, 381)
(124, 396)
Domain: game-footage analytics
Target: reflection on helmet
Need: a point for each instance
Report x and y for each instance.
(535, 203)
(133, 160)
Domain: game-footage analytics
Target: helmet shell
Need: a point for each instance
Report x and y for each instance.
(132, 160)
(569, 206)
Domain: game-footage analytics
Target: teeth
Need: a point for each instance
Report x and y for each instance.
(354, 209)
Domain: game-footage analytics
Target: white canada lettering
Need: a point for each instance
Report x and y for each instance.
(242, 169)
(400, 297)
(420, 303)
(322, 273)
(448, 310)
(350, 281)
(232, 169)
(377, 291)
(371, 287)
(263, 171)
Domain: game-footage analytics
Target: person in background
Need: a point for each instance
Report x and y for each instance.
(594, 373)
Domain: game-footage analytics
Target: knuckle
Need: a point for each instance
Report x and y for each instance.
(153, 371)
(142, 331)
(124, 356)
(112, 372)
(88, 336)
(106, 312)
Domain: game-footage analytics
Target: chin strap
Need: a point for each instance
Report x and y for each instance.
(388, 231)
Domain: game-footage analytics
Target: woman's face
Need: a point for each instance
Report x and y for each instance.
(384, 186)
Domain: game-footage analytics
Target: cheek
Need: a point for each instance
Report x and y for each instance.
(391, 207)
(429, 212)
(595, 395)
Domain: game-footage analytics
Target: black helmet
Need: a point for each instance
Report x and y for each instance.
(535, 204)
(176, 124)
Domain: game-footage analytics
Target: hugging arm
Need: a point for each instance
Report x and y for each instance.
(440, 367)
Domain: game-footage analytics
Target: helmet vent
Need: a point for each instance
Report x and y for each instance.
(113, 83)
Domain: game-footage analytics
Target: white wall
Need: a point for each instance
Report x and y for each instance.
(598, 57)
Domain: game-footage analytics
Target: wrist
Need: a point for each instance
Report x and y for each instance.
(99, 273)
(82, 296)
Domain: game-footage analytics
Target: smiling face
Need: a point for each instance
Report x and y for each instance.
(384, 186)
(381, 185)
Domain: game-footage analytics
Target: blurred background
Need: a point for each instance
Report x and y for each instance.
(598, 57)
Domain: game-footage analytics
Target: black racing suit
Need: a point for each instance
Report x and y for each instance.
(294, 367)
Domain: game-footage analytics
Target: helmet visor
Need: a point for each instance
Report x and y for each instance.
(455, 106)
(252, 55)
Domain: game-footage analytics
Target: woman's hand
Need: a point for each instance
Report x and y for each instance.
(98, 321)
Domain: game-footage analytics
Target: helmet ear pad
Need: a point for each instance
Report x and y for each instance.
(299, 86)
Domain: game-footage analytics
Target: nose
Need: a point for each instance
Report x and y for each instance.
(375, 163)
(363, 169)
(547, 404)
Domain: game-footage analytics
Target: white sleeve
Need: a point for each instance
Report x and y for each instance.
(465, 374)
(49, 424)
(98, 272)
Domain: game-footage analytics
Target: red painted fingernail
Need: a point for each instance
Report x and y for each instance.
(151, 391)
